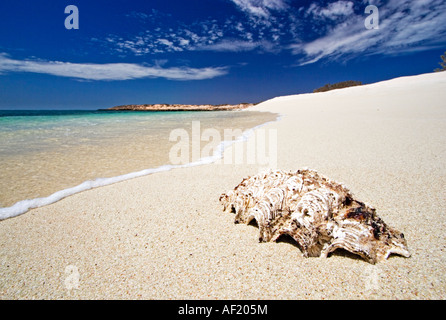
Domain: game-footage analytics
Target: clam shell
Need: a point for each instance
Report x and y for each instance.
(320, 214)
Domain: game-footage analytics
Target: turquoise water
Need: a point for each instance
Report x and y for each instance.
(28, 131)
(45, 152)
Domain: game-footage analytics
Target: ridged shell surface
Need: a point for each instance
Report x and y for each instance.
(319, 214)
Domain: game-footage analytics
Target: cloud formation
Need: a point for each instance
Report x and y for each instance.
(107, 71)
(161, 35)
(312, 32)
(332, 10)
(260, 8)
(405, 26)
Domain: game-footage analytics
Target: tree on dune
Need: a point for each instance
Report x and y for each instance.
(442, 64)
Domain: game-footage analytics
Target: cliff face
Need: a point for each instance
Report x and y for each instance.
(180, 107)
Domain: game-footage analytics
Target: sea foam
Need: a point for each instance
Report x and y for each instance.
(23, 206)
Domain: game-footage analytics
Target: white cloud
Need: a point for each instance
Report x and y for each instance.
(260, 8)
(108, 71)
(183, 42)
(405, 26)
(333, 10)
(169, 44)
(165, 42)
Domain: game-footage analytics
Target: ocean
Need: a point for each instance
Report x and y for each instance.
(48, 155)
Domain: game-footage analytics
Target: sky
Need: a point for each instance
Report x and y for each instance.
(206, 51)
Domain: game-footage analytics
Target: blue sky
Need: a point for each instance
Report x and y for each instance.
(206, 51)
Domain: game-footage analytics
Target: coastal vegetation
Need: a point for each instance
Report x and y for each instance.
(339, 85)
(442, 63)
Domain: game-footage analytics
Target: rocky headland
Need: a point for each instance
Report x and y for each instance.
(179, 107)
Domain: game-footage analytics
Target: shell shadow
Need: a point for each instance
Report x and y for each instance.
(286, 238)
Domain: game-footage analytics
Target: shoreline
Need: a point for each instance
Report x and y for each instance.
(23, 206)
(165, 235)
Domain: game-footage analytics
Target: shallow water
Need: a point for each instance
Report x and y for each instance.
(42, 152)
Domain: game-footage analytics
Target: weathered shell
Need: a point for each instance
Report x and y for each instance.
(319, 214)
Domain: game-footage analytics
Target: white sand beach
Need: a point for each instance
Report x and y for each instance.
(165, 235)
